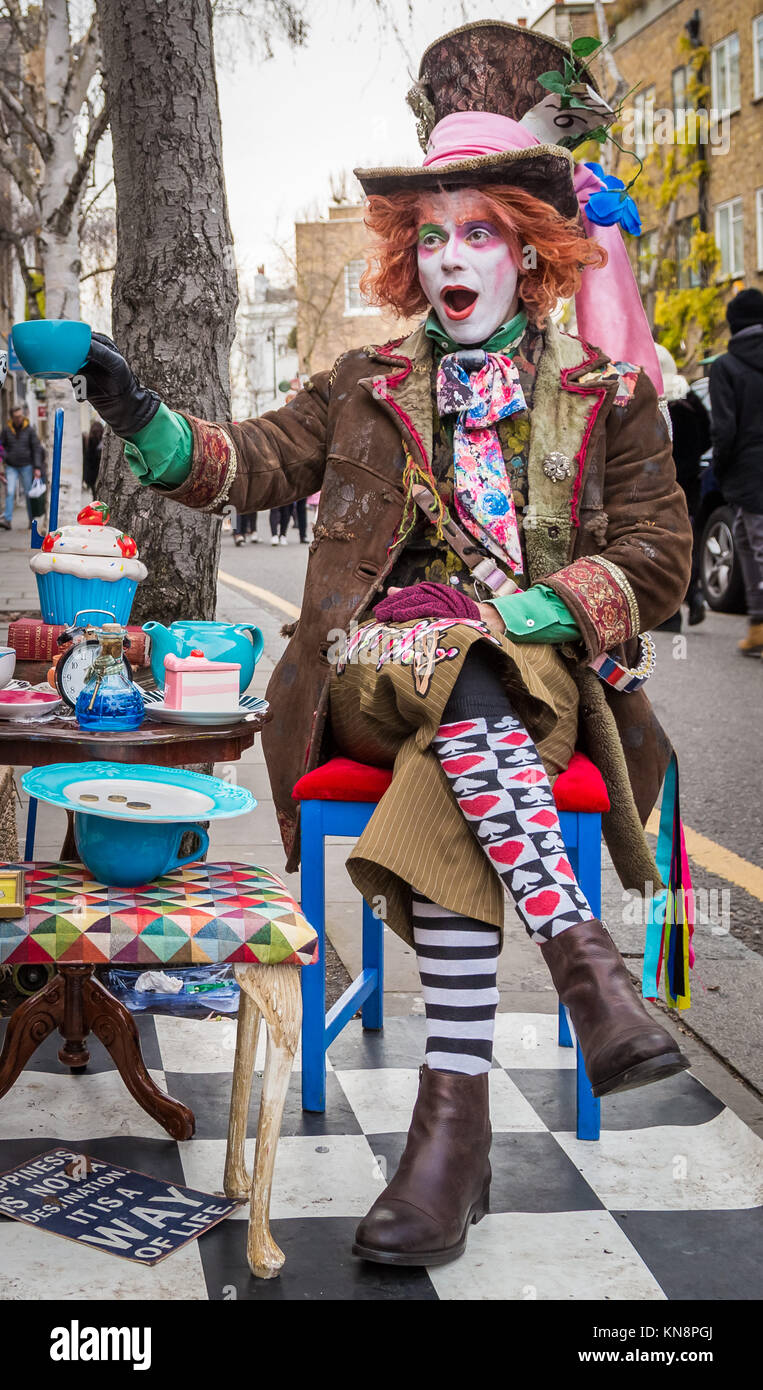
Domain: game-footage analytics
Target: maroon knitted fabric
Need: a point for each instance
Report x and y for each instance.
(426, 601)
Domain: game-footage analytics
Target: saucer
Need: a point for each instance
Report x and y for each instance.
(249, 705)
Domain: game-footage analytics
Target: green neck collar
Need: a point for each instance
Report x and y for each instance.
(504, 337)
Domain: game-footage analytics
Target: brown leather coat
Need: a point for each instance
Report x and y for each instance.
(606, 526)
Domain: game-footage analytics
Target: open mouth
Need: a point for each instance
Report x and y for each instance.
(458, 301)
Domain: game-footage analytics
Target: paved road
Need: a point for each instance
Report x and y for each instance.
(708, 699)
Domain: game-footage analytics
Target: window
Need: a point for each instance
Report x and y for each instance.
(759, 220)
(725, 74)
(678, 85)
(643, 122)
(686, 276)
(729, 236)
(757, 55)
(354, 303)
(646, 250)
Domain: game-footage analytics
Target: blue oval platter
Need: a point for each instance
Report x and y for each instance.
(126, 791)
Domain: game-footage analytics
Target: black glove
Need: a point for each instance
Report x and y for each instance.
(113, 390)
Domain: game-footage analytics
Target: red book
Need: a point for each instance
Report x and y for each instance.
(34, 640)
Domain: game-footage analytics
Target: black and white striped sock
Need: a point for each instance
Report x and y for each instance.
(457, 959)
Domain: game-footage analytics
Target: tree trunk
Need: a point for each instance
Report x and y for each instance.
(60, 246)
(174, 294)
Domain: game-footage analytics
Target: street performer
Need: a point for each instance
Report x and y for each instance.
(499, 520)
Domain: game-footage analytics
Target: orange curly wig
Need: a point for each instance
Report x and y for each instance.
(561, 251)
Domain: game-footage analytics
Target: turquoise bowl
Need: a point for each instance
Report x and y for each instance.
(51, 348)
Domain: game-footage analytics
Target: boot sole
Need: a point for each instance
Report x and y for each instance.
(642, 1074)
(424, 1257)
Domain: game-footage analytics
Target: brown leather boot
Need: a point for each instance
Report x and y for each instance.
(623, 1047)
(443, 1182)
(752, 644)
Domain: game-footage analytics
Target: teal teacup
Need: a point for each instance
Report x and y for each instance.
(126, 854)
(51, 348)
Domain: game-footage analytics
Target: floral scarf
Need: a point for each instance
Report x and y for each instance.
(482, 388)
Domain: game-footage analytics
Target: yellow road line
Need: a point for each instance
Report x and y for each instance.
(266, 595)
(718, 860)
(702, 850)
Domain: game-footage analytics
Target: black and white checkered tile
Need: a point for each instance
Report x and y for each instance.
(664, 1206)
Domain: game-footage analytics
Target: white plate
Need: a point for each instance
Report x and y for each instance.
(129, 798)
(32, 709)
(156, 709)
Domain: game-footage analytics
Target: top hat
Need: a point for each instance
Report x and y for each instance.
(474, 101)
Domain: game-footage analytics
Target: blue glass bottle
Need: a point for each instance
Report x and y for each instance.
(109, 700)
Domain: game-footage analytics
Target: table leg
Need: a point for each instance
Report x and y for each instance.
(28, 1026)
(276, 992)
(114, 1025)
(73, 1028)
(237, 1181)
(69, 848)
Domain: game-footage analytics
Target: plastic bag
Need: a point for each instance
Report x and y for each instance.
(38, 488)
(187, 1003)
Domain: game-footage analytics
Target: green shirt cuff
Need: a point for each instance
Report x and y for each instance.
(161, 452)
(538, 615)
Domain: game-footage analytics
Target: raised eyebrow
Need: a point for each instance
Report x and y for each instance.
(480, 222)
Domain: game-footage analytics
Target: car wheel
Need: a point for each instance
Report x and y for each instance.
(719, 564)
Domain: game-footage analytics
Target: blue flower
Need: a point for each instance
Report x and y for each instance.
(612, 204)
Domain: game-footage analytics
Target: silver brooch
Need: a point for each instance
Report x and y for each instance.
(556, 467)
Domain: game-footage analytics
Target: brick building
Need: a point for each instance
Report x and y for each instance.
(331, 313)
(654, 44)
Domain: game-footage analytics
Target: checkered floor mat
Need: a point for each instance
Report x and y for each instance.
(665, 1206)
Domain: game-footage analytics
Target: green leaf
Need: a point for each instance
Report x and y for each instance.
(583, 47)
(553, 81)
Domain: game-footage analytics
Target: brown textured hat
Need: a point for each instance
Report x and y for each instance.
(487, 66)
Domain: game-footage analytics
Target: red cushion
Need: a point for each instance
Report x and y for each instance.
(580, 788)
(342, 779)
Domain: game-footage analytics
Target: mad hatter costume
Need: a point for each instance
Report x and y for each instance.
(499, 522)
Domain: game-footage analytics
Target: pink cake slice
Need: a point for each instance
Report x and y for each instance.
(194, 683)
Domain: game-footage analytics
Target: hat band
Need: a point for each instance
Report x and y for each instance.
(471, 134)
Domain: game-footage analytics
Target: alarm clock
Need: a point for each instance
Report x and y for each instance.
(73, 665)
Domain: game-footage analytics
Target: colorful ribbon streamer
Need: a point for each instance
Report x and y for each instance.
(670, 913)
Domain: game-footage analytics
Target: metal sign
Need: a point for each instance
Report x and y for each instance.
(105, 1207)
(13, 362)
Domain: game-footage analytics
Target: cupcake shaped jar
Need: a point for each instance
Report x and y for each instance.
(90, 568)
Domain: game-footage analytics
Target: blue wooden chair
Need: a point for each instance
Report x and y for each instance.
(580, 796)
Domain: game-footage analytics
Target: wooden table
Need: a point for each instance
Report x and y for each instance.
(74, 1001)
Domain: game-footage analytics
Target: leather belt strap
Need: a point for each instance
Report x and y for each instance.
(484, 570)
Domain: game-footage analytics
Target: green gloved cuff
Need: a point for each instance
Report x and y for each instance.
(160, 454)
(537, 615)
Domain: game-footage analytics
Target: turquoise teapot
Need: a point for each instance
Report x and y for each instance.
(241, 642)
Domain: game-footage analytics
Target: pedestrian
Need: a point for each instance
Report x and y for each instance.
(93, 451)
(736, 406)
(300, 519)
(690, 424)
(487, 444)
(246, 525)
(23, 461)
(279, 524)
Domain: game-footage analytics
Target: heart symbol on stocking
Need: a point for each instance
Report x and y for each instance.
(543, 904)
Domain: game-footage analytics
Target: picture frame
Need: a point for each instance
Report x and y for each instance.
(11, 893)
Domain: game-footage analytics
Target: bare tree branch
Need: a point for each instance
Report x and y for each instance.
(26, 120)
(19, 173)
(101, 270)
(11, 10)
(64, 212)
(17, 241)
(89, 206)
(84, 62)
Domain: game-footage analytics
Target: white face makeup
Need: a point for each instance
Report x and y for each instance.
(466, 269)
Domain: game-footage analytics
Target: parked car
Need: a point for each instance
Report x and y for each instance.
(719, 567)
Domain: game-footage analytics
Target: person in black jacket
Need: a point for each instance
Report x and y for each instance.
(690, 425)
(23, 458)
(736, 400)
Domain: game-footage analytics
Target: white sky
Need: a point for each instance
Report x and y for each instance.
(339, 102)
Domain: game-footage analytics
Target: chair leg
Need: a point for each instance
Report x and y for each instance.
(565, 1036)
(237, 1181)
(276, 993)
(372, 1012)
(586, 861)
(314, 976)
